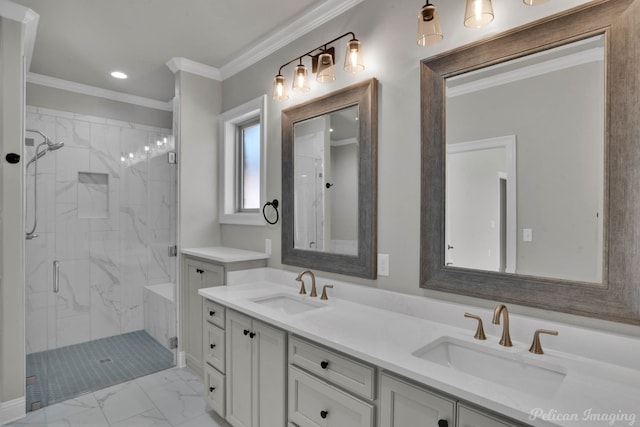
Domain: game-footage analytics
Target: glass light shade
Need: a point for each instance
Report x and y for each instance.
(280, 88)
(534, 2)
(478, 13)
(326, 72)
(300, 79)
(429, 29)
(353, 59)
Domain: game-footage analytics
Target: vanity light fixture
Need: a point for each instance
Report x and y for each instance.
(478, 13)
(323, 65)
(429, 28)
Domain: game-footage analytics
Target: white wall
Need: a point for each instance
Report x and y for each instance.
(197, 109)
(387, 30)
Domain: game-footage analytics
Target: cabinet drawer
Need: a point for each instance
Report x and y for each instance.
(214, 389)
(214, 346)
(343, 371)
(213, 313)
(312, 402)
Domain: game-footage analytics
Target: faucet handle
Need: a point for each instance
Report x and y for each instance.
(536, 347)
(480, 330)
(324, 292)
(303, 291)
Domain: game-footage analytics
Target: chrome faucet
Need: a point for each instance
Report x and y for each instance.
(314, 292)
(505, 340)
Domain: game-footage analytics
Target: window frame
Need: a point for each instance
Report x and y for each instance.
(231, 122)
(239, 164)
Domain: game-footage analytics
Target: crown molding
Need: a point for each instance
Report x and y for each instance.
(279, 39)
(69, 86)
(534, 70)
(193, 67)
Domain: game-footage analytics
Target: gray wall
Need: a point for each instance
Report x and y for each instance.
(387, 31)
(58, 99)
(12, 227)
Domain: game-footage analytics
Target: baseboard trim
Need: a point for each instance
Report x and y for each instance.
(12, 410)
(182, 359)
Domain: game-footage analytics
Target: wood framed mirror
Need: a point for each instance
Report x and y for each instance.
(329, 182)
(612, 292)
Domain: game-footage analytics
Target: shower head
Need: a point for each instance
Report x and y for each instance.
(54, 146)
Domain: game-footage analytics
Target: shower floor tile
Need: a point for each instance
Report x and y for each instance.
(67, 372)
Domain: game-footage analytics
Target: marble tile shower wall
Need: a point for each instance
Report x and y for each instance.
(111, 240)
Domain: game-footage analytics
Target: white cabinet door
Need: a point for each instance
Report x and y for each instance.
(239, 369)
(256, 372)
(403, 404)
(196, 275)
(471, 417)
(270, 375)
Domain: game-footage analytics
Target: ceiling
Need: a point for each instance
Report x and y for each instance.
(82, 41)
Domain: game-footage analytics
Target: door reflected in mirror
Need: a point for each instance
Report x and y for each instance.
(525, 165)
(326, 182)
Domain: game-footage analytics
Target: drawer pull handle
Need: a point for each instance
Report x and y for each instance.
(212, 313)
(252, 334)
(443, 423)
(199, 271)
(324, 414)
(246, 332)
(211, 389)
(212, 346)
(324, 364)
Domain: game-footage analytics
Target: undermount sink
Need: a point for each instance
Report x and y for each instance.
(287, 304)
(512, 370)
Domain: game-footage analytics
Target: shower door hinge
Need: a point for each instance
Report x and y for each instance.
(172, 157)
(173, 342)
(173, 250)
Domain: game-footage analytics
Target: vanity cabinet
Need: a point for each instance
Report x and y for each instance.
(201, 272)
(403, 404)
(329, 389)
(255, 371)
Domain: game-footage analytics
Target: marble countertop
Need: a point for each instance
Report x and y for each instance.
(593, 392)
(224, 254)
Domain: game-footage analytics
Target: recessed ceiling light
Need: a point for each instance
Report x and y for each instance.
(118, 75)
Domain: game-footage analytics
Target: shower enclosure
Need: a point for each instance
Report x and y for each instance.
(106, 223)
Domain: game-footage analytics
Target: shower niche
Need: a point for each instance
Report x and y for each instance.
(93, 195)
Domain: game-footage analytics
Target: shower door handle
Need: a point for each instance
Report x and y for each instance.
(56, 276)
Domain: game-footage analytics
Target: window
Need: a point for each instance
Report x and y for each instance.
(242, 163)
(248, 167)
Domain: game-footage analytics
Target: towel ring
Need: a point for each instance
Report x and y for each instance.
(275, 204)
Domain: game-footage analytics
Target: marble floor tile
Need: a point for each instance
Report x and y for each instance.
(123, 401)
(169, 398)
(152, 418)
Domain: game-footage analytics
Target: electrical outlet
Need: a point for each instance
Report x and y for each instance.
(383, 264)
